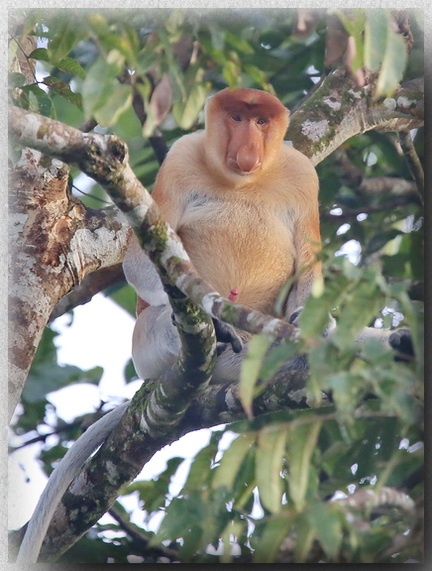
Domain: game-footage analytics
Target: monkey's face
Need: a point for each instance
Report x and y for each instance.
(246, 137)
(247, 127)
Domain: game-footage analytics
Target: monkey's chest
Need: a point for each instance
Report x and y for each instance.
(239, 246)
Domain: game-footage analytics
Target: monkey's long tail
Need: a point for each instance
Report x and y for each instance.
(60, 479)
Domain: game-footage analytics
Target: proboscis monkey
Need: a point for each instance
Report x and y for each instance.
(245, 205)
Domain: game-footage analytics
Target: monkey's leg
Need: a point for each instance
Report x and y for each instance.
(155, 342)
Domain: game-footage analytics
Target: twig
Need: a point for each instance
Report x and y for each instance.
(413, 161)
(159, 145)
(88, 126)
(43, 437)
(138, 535)
(90, 286)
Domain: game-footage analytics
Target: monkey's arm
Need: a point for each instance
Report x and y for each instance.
(303, 220)
(60, 479)
(307, 244)
(139, 270)
(141, 274)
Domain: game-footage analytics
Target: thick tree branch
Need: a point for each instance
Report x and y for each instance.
(54, 242)
(339, 110)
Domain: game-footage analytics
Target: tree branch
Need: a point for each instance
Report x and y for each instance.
(90, 286)
(54, 242)
(354, 178)
(413, 162)
(338, 110)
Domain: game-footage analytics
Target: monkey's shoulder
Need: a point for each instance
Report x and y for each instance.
(297, 169)
(188, 147)
(183, 161)
(294, 160)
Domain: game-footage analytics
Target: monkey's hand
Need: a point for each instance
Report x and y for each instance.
(226, 334)
(401, 341)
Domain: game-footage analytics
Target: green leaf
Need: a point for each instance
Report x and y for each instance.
(394, 63)
(72, 66)
(414, 312)
(276, 357)
(153, 493)
(259, 76)
(217, 37)
(67, 63)
(232, 460)
(130, 373)
(326, 524)
(98, 24)
(302, 443)
(376, 26)
(40, 54)
(269, 456)
(184, 518)
(115, 105)
(186, 113)
(100, 84)
(63, 89)
(354, 23)
(39, 101)
(250, 369)
(124, 296)
(361, 306)
(305, 537)
(239, 43)
(199, 472)
(44, 378)
(17, 79)
(315, 315)
(64, 39)
(271, 539)
(232, 530)
(232, 73)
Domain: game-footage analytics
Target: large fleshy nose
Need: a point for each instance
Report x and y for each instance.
(248, 158)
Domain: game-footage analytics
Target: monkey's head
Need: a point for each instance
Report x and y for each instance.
(244, 131)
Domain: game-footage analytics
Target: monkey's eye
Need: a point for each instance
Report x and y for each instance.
(262, 121)
(236, 117)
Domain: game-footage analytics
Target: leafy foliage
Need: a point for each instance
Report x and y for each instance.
(265, 497)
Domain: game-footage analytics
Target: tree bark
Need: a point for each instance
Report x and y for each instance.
(339, 110)
(54, 243)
